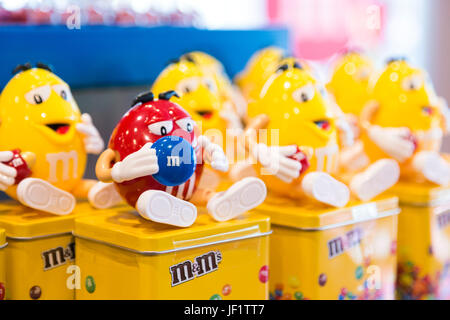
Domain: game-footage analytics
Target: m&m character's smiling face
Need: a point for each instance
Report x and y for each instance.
(41, 105)
(198, 91)
(405, 98)
(171, 130)
(149, 121)
(292, 100)
(38, 114)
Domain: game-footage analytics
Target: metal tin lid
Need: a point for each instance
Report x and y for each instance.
(2, 238)
(421, 194)
(24, 223)
(310, 215)
(124, 228)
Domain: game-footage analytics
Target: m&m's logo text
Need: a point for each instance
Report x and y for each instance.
(201, 265)
(338, 245)
(58, 256)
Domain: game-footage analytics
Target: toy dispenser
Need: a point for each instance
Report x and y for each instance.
(423, 241)
(318, 252)
(122, 256)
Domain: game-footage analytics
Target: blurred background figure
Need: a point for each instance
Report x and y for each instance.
(319, 32)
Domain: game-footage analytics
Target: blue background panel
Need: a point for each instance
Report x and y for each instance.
(99, 56)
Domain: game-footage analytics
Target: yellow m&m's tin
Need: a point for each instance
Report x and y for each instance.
(318, 252)
(3, 245)
(123, 256)
(40, 253)
(423, 241)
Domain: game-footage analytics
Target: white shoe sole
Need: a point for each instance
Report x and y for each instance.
(433, 167)
(159, 206)
(326, 189)
(104, 195)
(242, 196)
(376, 179)
(41, 195)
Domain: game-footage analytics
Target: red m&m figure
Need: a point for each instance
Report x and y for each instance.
(155, 157)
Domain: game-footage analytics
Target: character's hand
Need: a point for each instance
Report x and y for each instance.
(214, 154)
(346, 132)
(7, 173)
(396, 142)
(234, 124)
(141, 163)
(93, 142)
(276, 160)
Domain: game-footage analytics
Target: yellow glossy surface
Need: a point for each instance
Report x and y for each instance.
(270, 71)
(423, 242)
(338, 261)
(106, 253)
(22, 222)
(30, 234)
(350, 82)
(310, 214)
(252, 78)
(286, 112)
(214, 67)
(397, 98)
(405, 99)
(297, 122)
(60, 158)
(199, 94)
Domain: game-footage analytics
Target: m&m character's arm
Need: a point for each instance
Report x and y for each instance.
(141, 163)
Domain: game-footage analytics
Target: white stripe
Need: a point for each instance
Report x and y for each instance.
(180, 190)
(191, 186)
(169, 190)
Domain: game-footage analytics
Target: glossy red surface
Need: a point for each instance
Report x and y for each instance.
(132, 133)
(17, 162)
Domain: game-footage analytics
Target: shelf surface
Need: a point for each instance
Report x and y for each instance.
(99, 56)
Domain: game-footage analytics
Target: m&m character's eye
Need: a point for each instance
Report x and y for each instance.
(37, 99)
(186, 124)
(188, 85)
(304, 94)
(38, 95)
(62, 90)
(209, 83)
(412, 83)
(161, 128)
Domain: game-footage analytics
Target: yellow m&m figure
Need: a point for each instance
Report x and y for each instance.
(198, 92)
(349, 90)
(293, 110)
(349, 84)
(44, 142)
(406, 121)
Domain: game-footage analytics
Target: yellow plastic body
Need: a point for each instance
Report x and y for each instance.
(60, 158)
(403, 90)
(214, 67)
(297, 122)
(3, 245)
(122, 256)
(252, 78)
(264, 79)
(199, 94)
(349, 84)
(40, 252)
(423, 242)
(322, 253)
